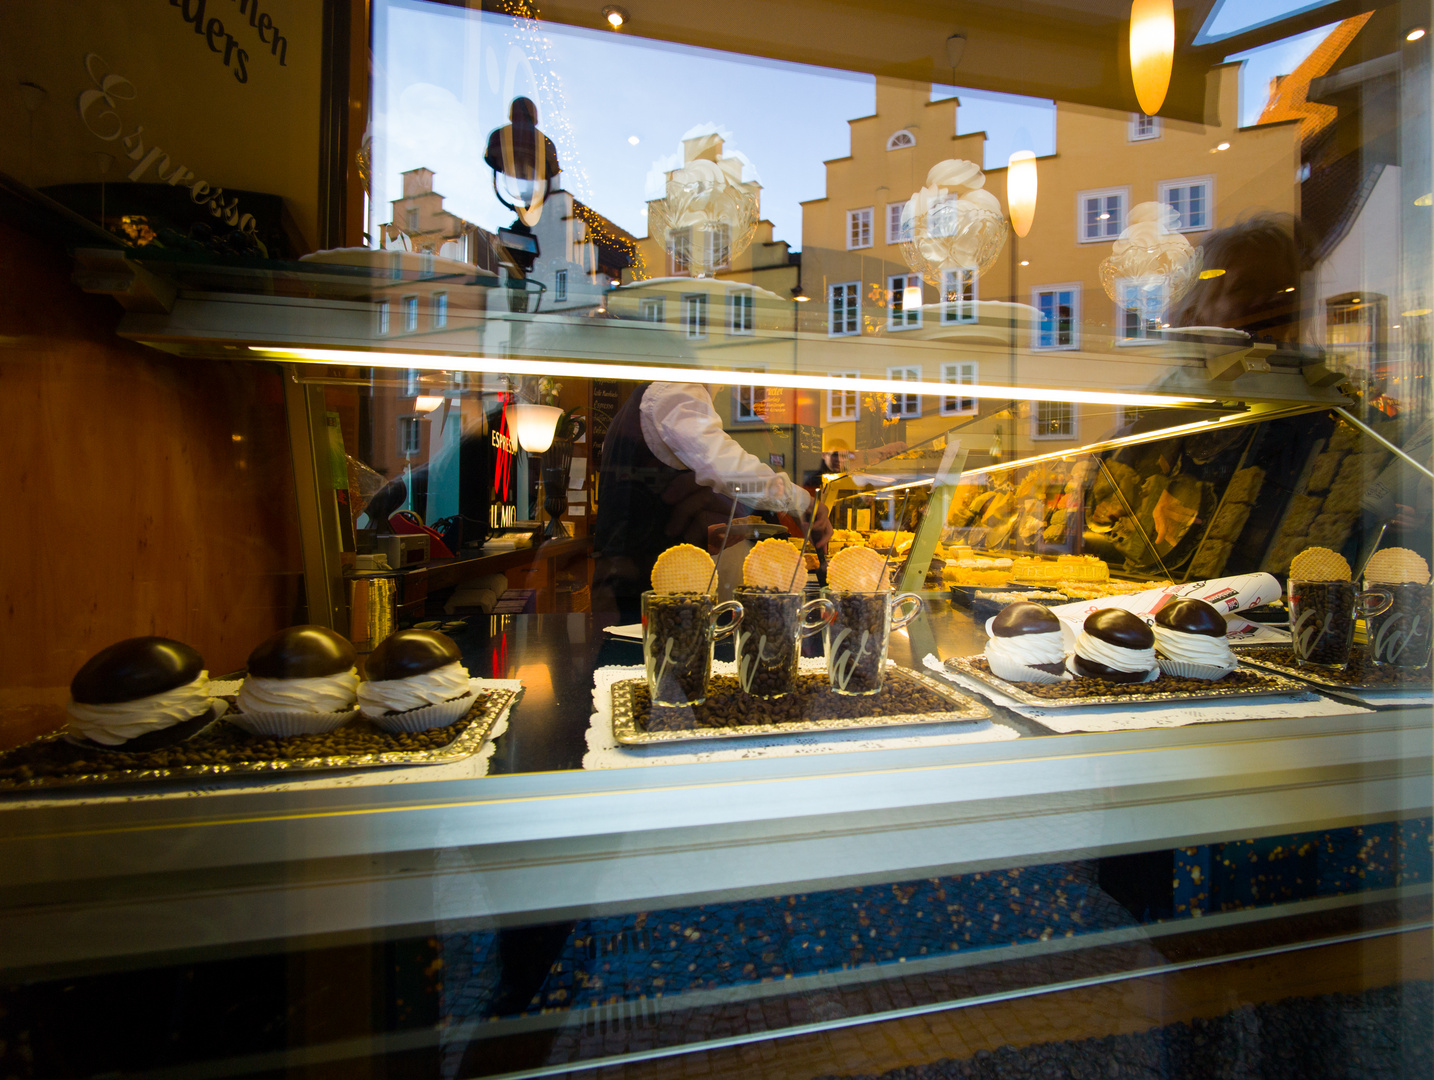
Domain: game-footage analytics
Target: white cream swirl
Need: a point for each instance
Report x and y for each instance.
(414, 692)
(1027, 649)
(1194, 648)
(1117, 657)
(320, 694)
(118, 722)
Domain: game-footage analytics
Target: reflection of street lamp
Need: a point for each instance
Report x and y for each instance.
(525, 168)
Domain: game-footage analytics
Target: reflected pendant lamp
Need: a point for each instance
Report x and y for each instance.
(1152, 51)
(1021, 190)
(533, 425)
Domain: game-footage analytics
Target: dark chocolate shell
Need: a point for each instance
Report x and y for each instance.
(302, 652)
(1116, 626)
(135, 668)
(1191, 616)
(410, 652)
(1024, 617)
(1092, 670)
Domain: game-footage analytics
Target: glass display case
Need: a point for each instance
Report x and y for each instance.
(809, 541)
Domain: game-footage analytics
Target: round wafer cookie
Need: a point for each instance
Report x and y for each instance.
(771, 564)
(1397, 566)
(857, 569)
(685, 568)
(1319, 564)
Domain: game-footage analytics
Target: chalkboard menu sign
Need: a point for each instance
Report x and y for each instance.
(606, 400)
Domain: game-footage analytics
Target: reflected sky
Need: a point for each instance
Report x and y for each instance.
(1264, 63)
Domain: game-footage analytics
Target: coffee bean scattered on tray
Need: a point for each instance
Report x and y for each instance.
(1239, 679)
(727, 706)
(224, 745)
(1360, 671)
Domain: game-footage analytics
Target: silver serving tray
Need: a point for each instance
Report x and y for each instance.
(961, 709)
(468, 742)
(1320, 679)
(1275, 684)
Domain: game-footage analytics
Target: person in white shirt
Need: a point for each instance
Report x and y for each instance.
(668, 472)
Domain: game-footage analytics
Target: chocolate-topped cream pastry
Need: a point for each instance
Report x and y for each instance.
(301, 681)
(140, 694)
(1190, 640)
(1116, 646)
(413, 681)
(1025, 644)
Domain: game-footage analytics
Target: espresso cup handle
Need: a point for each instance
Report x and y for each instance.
(727, 606)
(899, 620)
(823, 608)
(1372, 602)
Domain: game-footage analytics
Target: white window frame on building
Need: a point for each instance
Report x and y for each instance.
(410, 435)
(901, 140)
(843, 405)
(410, 314)
(960, 295)
(1054, 337)
(896, 231)
(903, 406)
(741, 312)
(959, 372)
(1144, 128)
(844, 309)
(749, 402)
(719, 247)
(1189, 223)
(897, 315)
(1061, 413)
(560, 286)
(438, 310)
(412, 219)
(411, 385)
(694, 315)
(1133, 325)
(679, 252)
(1129, 414)
(381, 313)
(1100, 230)
(652, 309)
(858, 228)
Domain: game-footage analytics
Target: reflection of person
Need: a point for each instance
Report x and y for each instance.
(668, 473)
(1259, 289)
(513, 148)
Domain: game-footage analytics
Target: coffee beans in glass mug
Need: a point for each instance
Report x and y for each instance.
(679, 646)
(767, 640)
(1400, 635)
(857, 642)
(1321, 621)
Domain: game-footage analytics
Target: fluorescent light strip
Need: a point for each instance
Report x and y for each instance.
(643, 372)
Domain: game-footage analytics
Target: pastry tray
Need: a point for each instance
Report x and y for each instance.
(961, 709)
(1272, 684)
(484, 715)
(1324, 681)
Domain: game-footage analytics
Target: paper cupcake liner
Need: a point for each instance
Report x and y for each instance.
(1183, 669)
(286, 724)
(426, 717)
(1011, 671)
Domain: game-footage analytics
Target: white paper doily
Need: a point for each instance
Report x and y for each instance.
(1135, 718)
(604, 752)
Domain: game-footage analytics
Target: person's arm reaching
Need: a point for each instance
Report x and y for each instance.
(679, 422)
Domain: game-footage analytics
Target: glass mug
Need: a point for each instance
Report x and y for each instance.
(769, 642)
(1322, 615)
(1399, 636)
(678, 634)
(856, 637)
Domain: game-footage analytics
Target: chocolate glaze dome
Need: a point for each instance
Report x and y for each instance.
(1116, 626)
(1024, 617)
(1190, 616)
(410, 652)
(302, 652)
(135, 668)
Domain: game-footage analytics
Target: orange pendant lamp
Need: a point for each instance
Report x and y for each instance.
(1021, 190)
(1152, 51)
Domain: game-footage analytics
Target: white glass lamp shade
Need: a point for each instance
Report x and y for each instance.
(1021, 190)
(1152, 256)
(533, 425)
(953, 222)
(1152, 51)
(707, 203)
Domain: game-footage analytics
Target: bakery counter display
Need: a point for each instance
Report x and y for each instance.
(145, 709)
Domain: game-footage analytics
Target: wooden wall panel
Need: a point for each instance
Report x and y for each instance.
(143, 493)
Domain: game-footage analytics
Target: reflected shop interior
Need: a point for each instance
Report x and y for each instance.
(773, 539)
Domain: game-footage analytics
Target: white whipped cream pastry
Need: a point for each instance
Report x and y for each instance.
(1194, 648)
(117, 723)
(323, 694)
(1114, 656)
(1027, 649)
(414, 692)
